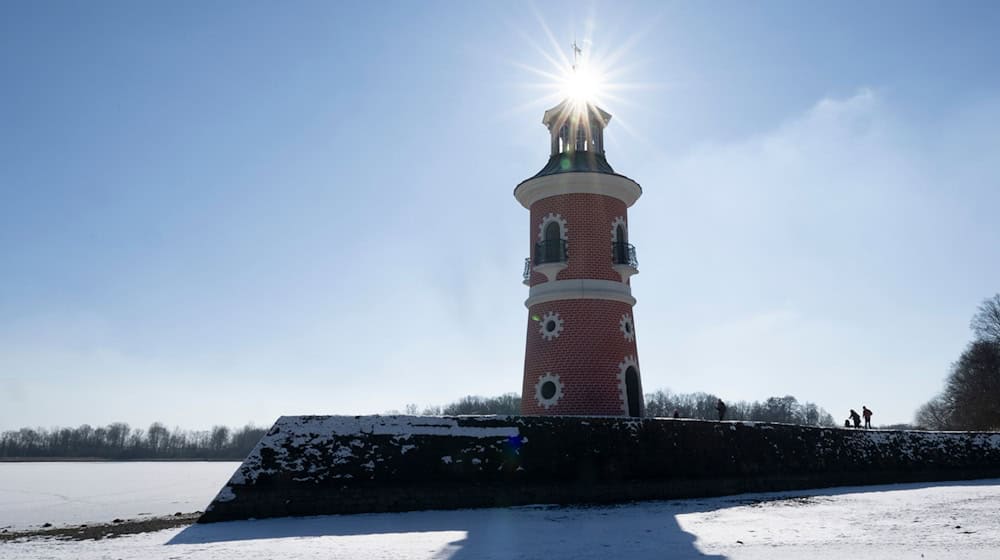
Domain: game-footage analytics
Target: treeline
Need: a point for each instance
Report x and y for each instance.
(659, 404)
(119, 441)
(507, 403)
(971, 396)
(785, 409)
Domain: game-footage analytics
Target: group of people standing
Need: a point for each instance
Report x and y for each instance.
(720, 407)
(856, 418)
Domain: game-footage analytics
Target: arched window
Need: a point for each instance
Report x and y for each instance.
(552, 231)
(553, 248)
(632, 392)
(619, 249)
(581, 139)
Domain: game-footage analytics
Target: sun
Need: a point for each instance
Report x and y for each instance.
(584, 74)
(580, 74)
(582, 83)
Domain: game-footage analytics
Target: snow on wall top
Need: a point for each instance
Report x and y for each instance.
(322, 448)
(333, 453)
(394, 425)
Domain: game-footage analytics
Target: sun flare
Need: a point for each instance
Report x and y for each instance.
(589, 79)
(582, 83)
(579, 74)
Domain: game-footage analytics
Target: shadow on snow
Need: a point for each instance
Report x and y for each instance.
(639, 531)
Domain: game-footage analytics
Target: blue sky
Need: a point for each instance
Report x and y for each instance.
(223, 212)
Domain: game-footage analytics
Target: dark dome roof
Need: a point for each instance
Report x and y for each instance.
(568, 162)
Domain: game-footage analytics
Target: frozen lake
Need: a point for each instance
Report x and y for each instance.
(72, 493)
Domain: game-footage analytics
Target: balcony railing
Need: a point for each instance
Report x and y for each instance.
(624, 253)
(551, 251)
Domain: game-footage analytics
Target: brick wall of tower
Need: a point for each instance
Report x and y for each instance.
(586, 357)
(588, 223)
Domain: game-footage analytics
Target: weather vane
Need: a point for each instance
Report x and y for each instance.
(577, 51)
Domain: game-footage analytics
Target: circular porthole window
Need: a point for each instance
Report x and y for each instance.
(548, 390)
(627, 328)
(551, 325)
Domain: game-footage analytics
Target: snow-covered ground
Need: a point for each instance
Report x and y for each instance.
(72, 493)
(935, 520)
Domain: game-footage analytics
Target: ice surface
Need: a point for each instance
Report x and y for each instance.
(935, 520)
(71, 493)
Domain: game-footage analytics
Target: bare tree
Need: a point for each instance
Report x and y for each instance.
(971, 396)
(219, 437)
(934, 415)
(786, 409)
(986, 322)
(118, 434)
(117, 441)
(973, 388)
(509, 403)
(157, 436)
(660, 404)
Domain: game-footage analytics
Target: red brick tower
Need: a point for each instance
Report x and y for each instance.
(580, 357)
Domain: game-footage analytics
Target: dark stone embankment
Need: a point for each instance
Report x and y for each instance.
(99, 531)
(313, 465)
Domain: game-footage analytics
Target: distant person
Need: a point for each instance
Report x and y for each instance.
(721, 407)
(677, 413)
(847, 423)
(868, 416)
(856, 418)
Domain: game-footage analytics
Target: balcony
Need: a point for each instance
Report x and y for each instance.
(550, 257)
(624, 260)
(551, 251)
(624, 253)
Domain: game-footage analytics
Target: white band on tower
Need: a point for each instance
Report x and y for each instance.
(579, 289)
(616, 186)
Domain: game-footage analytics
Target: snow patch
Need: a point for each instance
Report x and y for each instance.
(225, 495)
(402, 426)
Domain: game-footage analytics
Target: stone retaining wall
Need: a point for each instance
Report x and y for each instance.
(313, 465)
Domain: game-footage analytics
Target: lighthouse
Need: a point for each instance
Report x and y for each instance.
(580, 352)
